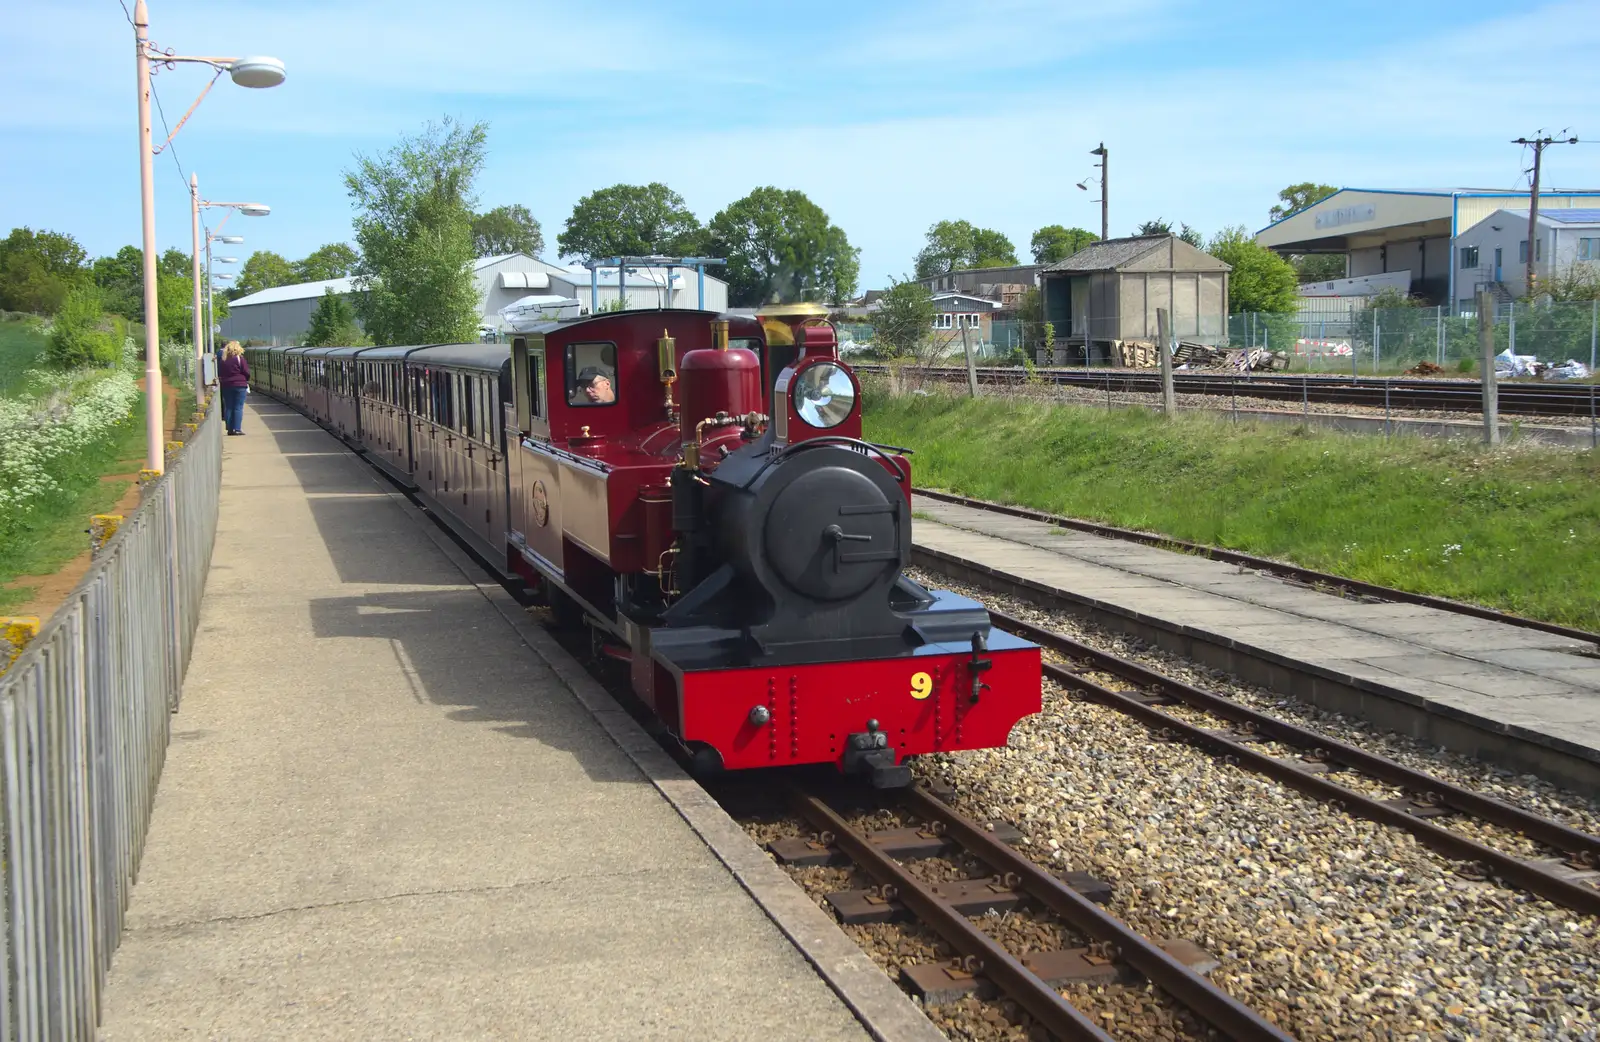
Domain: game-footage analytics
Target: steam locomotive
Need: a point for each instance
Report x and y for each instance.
(696, 488)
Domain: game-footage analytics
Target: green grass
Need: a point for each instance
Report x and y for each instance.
(53, 531)
(1517, 529)
(20, 348)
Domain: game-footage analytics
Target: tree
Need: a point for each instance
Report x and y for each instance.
(1318, 267)
(1578, 281)
(333, 323)
(1297, 197)
(1054, 242)
(1155, 227)
(263, 269)
(631, 221)
(507, 229)
(781, 247)
(414, 206)
(82, 334)
(38, 270)
(904, 319)
(1260, 280)
(121, 281)
(1191, 236)
(958, 245)
(333, 261)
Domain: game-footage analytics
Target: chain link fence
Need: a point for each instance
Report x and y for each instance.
(84, 726)
(1535, 340)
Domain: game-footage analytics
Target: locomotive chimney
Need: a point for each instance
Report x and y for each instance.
(719, 334)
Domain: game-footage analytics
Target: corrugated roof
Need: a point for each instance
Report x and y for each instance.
(297, 291)
(302, 290)
(1109, 254)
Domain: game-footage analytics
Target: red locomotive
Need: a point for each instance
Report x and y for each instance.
(697, 487)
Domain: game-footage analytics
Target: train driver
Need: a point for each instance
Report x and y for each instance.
(594, 387)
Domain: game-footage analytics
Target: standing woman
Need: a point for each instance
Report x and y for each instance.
(234, 376)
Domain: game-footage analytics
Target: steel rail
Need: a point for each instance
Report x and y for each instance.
(1060, 1017)
(1370, 392)
(1201, 997)
(1265, 564)
(1531, 877)
(1569, 841)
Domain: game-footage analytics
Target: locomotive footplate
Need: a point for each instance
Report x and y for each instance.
(863, 712)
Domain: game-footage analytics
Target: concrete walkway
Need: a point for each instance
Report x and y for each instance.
(1519, 697)
(383, 816)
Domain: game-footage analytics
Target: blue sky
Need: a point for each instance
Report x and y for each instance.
(890, 115)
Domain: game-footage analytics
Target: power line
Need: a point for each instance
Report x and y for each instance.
(170, 145)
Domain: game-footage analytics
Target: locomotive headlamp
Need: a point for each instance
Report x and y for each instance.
(824, 395)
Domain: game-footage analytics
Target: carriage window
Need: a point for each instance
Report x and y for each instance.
(591, 374)
(469, 406)
(536, 383)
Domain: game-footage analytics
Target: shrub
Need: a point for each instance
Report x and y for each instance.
(83, 334)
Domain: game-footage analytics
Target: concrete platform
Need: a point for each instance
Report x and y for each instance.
(1517, 697)
(392, 809)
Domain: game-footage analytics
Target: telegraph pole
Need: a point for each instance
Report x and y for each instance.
(1105, 190)
(1538, 144)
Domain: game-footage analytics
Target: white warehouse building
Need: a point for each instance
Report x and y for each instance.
(281, 315)
(1413, 236)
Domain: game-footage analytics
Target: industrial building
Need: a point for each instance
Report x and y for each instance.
(1493, 253)
(1110, 291)
(281, 315)
(1409, 233)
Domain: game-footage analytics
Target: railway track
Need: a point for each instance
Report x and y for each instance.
(1281, 569)
(1434, 395)
(1030, 979)
(1258, 741)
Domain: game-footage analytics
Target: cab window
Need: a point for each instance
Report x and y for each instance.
(592, 374)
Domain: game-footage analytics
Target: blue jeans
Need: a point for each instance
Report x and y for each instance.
(233, 408)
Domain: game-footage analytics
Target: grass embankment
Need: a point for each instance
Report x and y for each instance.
(46, 535)
(21, 348)
(1516, 529)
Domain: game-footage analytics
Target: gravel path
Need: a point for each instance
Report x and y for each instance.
(1339, 928)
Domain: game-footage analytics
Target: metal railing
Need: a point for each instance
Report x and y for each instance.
(84, 725)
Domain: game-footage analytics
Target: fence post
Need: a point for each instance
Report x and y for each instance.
(1376, 333)
(1491, 397)
(1594, 328)
(1512, 343)
(1169, 398)
(1438, 332)
(972, 369)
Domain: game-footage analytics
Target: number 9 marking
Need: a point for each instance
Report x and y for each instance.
(921, 686)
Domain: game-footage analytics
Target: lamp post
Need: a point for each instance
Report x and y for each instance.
(1105, 210)
(211, 324)
(196, 204)
(246, 72)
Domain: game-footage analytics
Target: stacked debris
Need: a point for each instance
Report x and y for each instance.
(1424, 369)
(1191, 355)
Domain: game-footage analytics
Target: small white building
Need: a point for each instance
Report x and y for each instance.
(281, 315)
(1493, 254)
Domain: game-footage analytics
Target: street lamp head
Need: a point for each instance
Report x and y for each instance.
(1084, 185)
(225, 260)
(257, 71)
(1098, 151)
(231, 240)
(255, 209)
(220, 275)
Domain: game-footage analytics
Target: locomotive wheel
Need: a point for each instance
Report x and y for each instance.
(567, 612)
